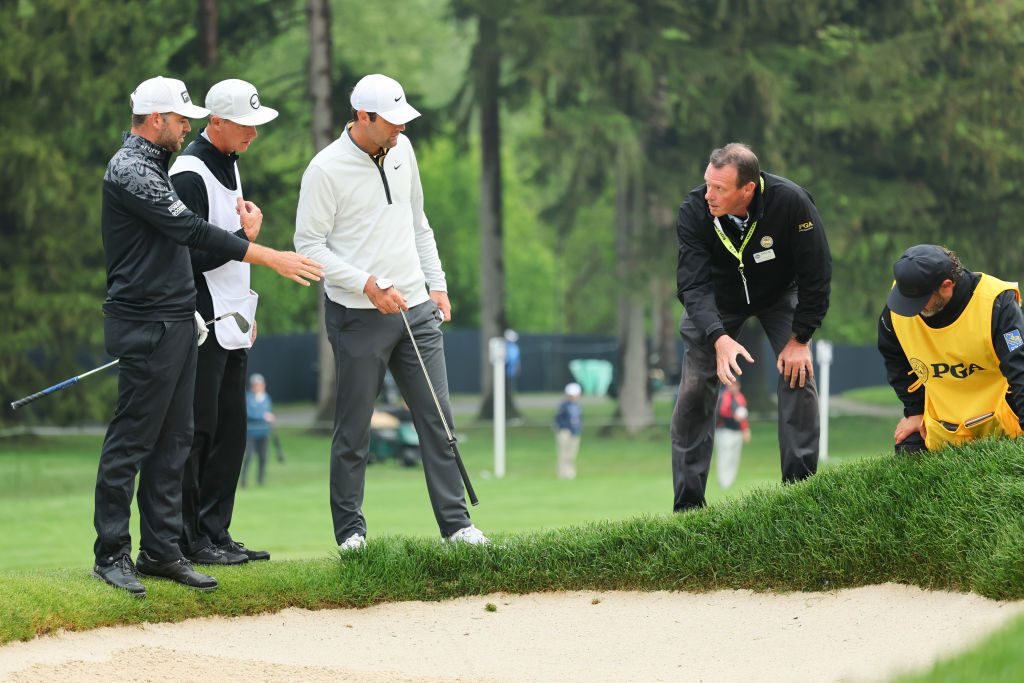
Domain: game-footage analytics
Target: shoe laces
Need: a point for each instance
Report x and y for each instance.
(126, 565)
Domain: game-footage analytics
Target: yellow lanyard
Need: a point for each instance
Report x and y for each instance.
(727, 243)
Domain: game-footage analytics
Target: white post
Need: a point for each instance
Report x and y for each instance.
(497, 353)
(823, 348)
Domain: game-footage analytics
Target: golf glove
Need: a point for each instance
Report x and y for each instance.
(201, 329)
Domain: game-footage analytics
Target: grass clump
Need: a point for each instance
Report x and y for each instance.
(950, 520)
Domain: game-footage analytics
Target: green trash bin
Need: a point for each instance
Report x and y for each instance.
(593, 375)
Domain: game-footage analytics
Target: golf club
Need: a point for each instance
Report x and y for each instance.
(451, 439)
(243, 325)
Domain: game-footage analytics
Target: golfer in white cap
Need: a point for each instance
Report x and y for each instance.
(149, 324)
(361, 214)
(207, 180)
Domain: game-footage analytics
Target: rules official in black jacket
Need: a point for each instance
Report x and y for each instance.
(751, 244)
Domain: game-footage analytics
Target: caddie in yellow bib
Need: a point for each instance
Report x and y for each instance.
(952, 343)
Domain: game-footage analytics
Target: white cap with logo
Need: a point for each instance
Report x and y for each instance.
(237, 100)
(383, 95)
(164, 95)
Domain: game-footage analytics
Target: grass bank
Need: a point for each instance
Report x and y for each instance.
(950, 521)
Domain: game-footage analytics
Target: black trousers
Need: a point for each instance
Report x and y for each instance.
(693, 420)
(218, 447)
(149, 436)
(367, 342)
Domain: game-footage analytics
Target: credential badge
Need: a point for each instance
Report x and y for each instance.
(767, 242)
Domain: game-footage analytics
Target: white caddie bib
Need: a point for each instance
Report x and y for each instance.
(229, 284)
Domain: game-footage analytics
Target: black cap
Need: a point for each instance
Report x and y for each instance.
(919, 273)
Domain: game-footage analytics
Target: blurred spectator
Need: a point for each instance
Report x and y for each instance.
(513, 359)
(258, 408)
(732, 430)
(568, 425)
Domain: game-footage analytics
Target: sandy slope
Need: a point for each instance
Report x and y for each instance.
(861, 634)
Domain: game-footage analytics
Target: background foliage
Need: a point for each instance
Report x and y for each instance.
(901, 118)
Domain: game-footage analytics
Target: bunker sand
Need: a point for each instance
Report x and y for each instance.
(863, 634)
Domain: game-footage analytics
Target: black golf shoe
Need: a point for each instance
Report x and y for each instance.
(121, 574)
(214, 555)
(179, 571)
(236, 547)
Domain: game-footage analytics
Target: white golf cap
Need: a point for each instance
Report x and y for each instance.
(237, 100)
(573, 389)
(383, 95)
(163, 95)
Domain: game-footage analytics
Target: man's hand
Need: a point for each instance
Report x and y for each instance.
(251, 217)
(795, 363)
(909, 425)
(746, 436)
(286, 263)
(441, 299)
(201, 329)
(726, 351)
(384, 300)
(295, 266)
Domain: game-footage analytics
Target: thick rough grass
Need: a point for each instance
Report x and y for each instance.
(952, 520)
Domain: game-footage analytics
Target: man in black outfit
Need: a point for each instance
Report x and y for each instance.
(750, 244)
(150, 325)
(206, 178)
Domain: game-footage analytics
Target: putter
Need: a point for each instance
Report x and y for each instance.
(242, 323)
(448, 432)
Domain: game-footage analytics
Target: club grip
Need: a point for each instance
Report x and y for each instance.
(465, 475)
(39, 394)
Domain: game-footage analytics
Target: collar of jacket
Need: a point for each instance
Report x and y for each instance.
(203, 148)
(963, 292)
(356, 150)
(146, 148)
(756, 209)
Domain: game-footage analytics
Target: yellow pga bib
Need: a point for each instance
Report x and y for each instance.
(965, 393)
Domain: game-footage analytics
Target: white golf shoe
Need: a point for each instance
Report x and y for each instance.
(470, 535)
(353, 543)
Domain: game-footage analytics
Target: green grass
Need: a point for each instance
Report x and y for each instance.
(946, 521)
(47, 487)
(996, 660)
(875, 396)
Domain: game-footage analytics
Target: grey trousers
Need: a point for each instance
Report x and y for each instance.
(366, 342)
(693, 420)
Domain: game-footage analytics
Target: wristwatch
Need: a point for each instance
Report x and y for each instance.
(384, 283)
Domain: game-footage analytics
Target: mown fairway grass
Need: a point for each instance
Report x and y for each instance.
(46, 486)
(951, 520)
